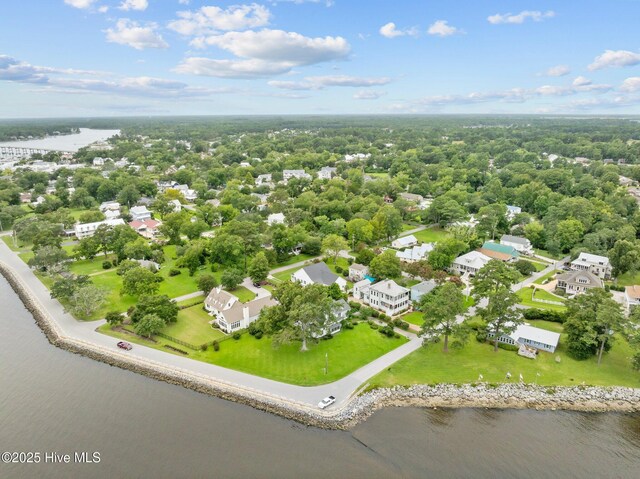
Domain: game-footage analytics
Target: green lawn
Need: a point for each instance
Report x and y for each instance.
(414, 317)
(545, 253)
(90, 266)
(430, 365)
(9, 242)
(193, 326)
(629, 278)
(286, 274)
(539, 266)
(431, 235)
(525, 299)
(294, 259)
(346, 352)
(542, 279)
(243, 294)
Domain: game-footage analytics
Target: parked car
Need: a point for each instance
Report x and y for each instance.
(124, 345)
(326, 402)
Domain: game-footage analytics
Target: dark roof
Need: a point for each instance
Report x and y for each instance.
(320, 273)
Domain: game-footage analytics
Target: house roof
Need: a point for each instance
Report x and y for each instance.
(411, 197)
(389, 287)
(218, 298)
(424, 287)
(473, 258)
(500, 248)
(320, 273)
(416, 253)
(514, 209)
(526, 331)
(139, 210)
(358, 267)
(515, 239)
(572, 277)
(341, 307)
(633, 291)
(406, 240)
(495, 254)
(591, 258)
(149, 224)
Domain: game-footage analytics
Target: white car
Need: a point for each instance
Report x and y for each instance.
(326, 402)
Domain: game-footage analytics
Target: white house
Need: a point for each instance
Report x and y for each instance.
(264, 180)
(520, 244)
(300, 174)
(404, 242)
(529, 336)
(386, 296)
(470, 263)
(109, 206)
(232, 315)
(422, 288)
(84, 230)
(598, 265)
(340, 310)
(357, 272)
(417, 253)
(318, 273)
(177, 206)
(576, 282)
(111, 214)
(327, 172)
(187, 193)
(275, 219)
(140, 213)
(631, 297)
(357, 157)
(512, 211)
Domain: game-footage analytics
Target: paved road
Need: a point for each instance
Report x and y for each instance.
(414, 230)
(86, 331)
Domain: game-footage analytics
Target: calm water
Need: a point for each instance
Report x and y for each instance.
(51, 400)
(65, 142)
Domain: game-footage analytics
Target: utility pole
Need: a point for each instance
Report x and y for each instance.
(326, 363)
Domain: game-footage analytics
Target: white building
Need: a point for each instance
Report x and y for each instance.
(300, 174)
(111, 214)
(187, 193)
(340, 311)
(357, 272)
(264, 180)
(520, 244)
(318, 273)
(84, 230)
(110, 206)
(598, 265)
(327, 172)
(512, 211)
(631, 297)
(232, 315)
(576, 282)
(470, 263)
(386, 296)
(140, 213)
(415, 254)
(404, 242)
(177, 206)
(531, 337)
(357, 157)
(275, 219)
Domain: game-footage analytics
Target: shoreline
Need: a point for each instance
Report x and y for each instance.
(357, 408)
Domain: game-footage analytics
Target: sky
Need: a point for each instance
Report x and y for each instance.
(90, 58)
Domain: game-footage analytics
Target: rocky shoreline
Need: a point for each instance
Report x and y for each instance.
(514, 396)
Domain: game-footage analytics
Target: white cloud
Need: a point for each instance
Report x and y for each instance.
(442, 28)
(615, 58)
(231, 68)
(82, 4)
(135, 35)
(210, 20)
(369, 94)
(389, 30)
(134, 5)
(581, 81)
(558, 71)
(103, 9)
(183, 2)
(631, 84)
(320, 82)
(518, 18)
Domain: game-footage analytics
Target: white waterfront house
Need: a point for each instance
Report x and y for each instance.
(520, 244)
(417, 253)
(318, 273)
(84, 230)
(404, 242)
(232, 315)
(596, 264)
(386, 296)
(470, 262)
(530, 336)
(140, 213)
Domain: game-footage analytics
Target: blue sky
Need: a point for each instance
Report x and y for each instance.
(175, 57)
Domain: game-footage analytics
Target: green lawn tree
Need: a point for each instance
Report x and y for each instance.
(149, 325)
(87, 300)
(332, 245)
(140, 281)
(385, 265)
(440, 309)
(231, 278)
(259, 268)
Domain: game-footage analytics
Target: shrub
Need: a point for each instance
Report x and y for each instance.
(214, 267)
(375, 314)
(388, 331)
(481, 336)
(339, 270)
(174, 272)
(216, 346)
(348, 325)
(258, 335)
(355, 305)
(525, 267)
(106, 265)
(345, 273)
(203, 347)
(616, 287)
(236, 335)
(327, 336)
(508, 347)
(541, 314)
(254, 329)
(373, 325)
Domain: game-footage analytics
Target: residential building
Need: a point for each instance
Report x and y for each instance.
(499, 251)
(420, 289)
(532, 337)
(386, 296)
(598, 265)
(275, 219)
(109, 206)
(356, 157)
(327, 172)
(300, 174)
(576, 282)
(230, 314)
(187, 193)
(470, 263)
(111, 214)
(177, 206)
(140, 213)
(357, 272)
(166, 185)
(404, 242)
(415, 254)
(626, 181)
(631, 297)
(421, 202)
(520, 244)
(340, 310)
(147, 228)
(84, 230)
(318, 273)
(512, 211)
(264, 180)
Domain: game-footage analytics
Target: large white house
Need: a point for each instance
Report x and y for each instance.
(318, 273)
(576, 282)
(598, 265)
(386, 296)
(470, 263)
(631, 297)
(529, 336)
(264, 180)
(520, 244)
(417, 253)
(275, 219)
(404, 242)
(327, 172)
(232, 315)
(513, 211)
(300, 174)
(84, 230)
(140, 213)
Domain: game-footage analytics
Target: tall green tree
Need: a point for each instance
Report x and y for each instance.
(332, 245)
(440, 310)
(259, 268)
(385, 265)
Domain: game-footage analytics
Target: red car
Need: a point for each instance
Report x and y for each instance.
(124, 345)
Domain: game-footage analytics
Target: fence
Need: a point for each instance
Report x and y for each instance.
(195, 347)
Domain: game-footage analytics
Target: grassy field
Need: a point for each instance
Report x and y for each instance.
(629, 278)
(542, 279)
(525, 300)
(539, 266)
(243, 294)
(193, 326)
(430, 365)
(415, 317)
(346, 352)
(431, 235)
(545, 253)
(295, 259)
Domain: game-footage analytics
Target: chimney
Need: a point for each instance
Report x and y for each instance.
(389, 285)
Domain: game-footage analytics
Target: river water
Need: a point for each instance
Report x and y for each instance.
(54, 401)
(72, 142)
